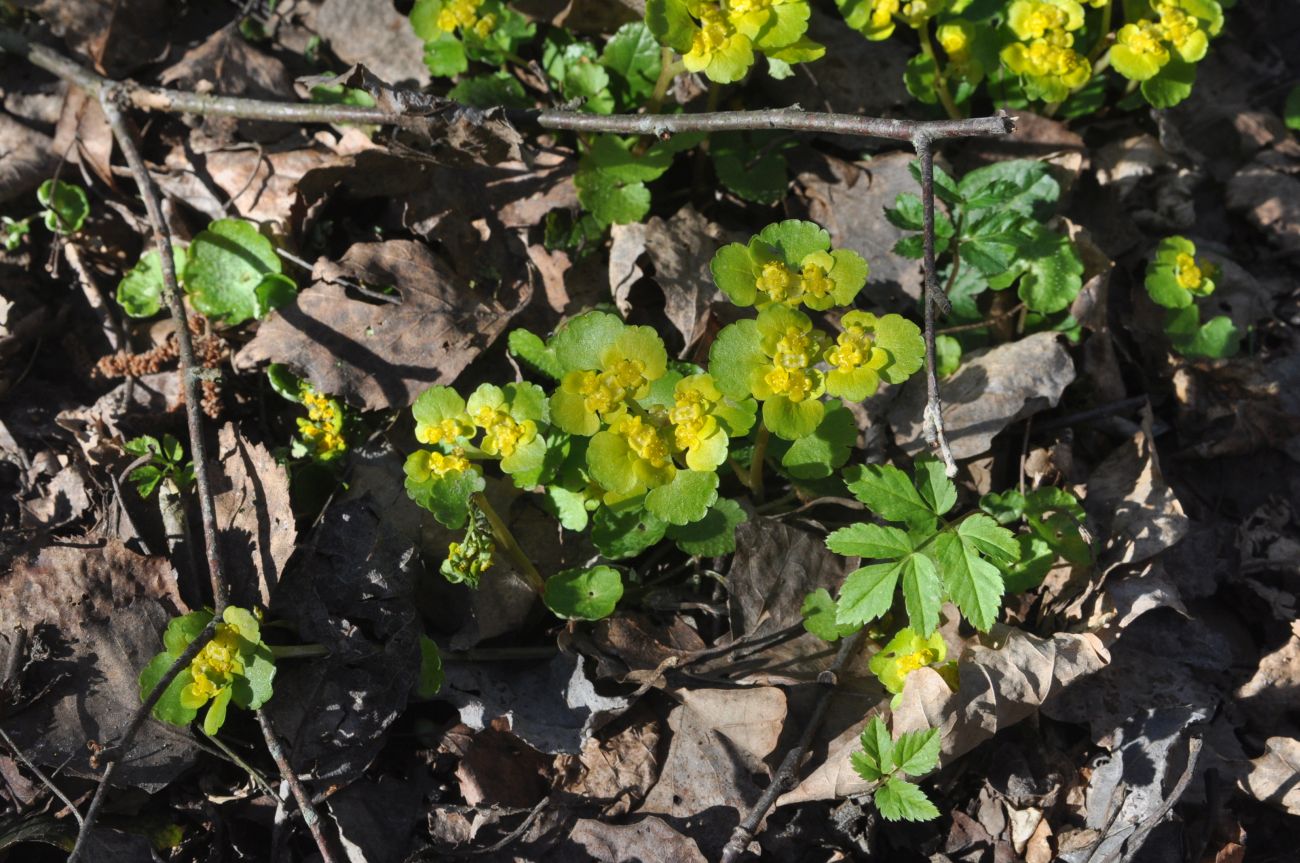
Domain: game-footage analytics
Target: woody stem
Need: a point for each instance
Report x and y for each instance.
(507, 540)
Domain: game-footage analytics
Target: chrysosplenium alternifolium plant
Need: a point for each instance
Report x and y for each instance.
(1052, 51)
(235, 666)
(631, 443)
(1176, 279)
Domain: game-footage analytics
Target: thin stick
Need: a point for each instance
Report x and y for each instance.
(933, 300)
(45, 780)
(118, 751)
(309, 815)
(188, 367)
(417, 107)
(788, 772)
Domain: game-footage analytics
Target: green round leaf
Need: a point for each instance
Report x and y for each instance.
(227, 264)
(66, 206)
(736, 353)
(140, 293)
(169, 707)
(796, 240)
(715, 534)
(253, 688)
(826, 450)
(431, 674)
(733, 273)
(686, 499)
(184, 629)
(584, 594)
(791, 420)
(619, 534)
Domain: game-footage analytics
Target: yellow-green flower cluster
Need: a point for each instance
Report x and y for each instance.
(720, 38)
(905, 653)
(1175, 277)
(877, 19)
(321, 430)
(465, 16)
(1181, 29)
(468, 559)
(1045, 57)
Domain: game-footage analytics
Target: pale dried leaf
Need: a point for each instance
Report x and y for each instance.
(720, 740)
(1272, 776)
(991, 390)
(373, 354)
(255, 524)
(647, 839)
(375, 33)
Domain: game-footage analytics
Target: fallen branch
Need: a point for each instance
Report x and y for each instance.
(415, 108)
(310, 816)
(788, 772)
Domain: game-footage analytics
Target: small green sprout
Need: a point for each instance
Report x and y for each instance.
(1176, 279)
(65, 206)
(166, 462)
(234, 666)
(12, 232)
(886, 761)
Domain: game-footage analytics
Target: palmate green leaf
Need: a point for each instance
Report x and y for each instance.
(626, 532)
(870, 541)
(818, 611)
(866, 768)
(140, 292)
(584, 594)
(908, 214)
(826, 450)
(974, 584)
(1024, 186)
(991, 540)
(146, 479)
(715, 534)
(900, 800)
(877, 749)
(431, 674)
(922, 593)
(937, 490)
(916, 752)
(66, 206)
(686, 499)
(226, 264)
(1053, 275)
(889, 493)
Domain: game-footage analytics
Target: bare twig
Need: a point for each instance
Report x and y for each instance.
(788, 772)
(310, 817)
(45, 780)
(934, 300)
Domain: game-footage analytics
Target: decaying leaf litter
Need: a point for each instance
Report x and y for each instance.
(1141, 707)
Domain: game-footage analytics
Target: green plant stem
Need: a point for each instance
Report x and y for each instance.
(507, 540)
(669, 68)
(756, 463)
(1103, 38)
(298, 651)
(940, 82)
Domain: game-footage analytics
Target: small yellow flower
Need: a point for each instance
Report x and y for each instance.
(502, 434)
(917, 12)
(458, 13)
(718, 49)
(1183, 31)
(1191, 275)
(441, 465)
(792, 374)
(780, 283)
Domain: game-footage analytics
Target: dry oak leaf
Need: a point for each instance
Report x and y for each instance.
(1272, 776)
(989, 392)
(720, 738)
(648, 839)
(999, 686)
(374, 354)
(255, 524)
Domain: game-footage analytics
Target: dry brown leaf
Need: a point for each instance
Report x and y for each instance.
(719, 742)
(252, 184)
(373, 354)
(84, 135)
(647, 839)
(119, 37)
(375, 33)
(991, 390)
(29, 158)
(1273, 693)
(1267, 193)
(999, 686)
(1272, 776)
(500, 769)
(254, 517)
(614, 769)
(678, 253)
(86, 579)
